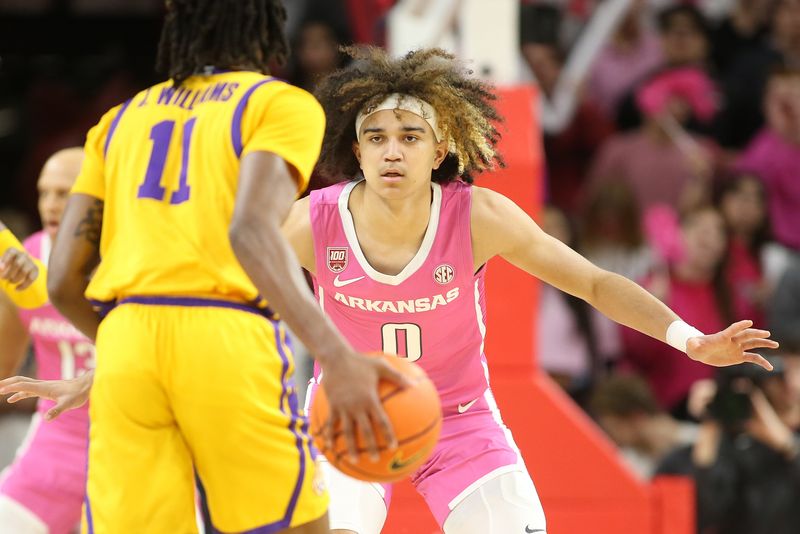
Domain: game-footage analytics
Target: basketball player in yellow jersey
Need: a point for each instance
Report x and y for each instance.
(19, 273)
(193, 372)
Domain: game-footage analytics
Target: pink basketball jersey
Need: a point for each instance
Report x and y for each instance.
(61, 351)
(432, 312)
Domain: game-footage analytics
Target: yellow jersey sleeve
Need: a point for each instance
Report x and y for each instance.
(288, 122)
(33, 296)
(91, 180)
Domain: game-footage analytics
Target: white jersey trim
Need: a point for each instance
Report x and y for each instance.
(45, 248)
(415, 263)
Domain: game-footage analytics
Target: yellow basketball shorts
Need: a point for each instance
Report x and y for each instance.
(190, 385)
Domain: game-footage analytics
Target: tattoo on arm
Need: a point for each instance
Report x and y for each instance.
(91, 226)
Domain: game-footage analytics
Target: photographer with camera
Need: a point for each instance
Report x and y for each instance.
(746, 461)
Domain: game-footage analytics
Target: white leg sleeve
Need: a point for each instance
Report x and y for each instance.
(506, 504)
(355, 505)
(16, 519)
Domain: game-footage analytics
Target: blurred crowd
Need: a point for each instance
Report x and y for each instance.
(678, 166)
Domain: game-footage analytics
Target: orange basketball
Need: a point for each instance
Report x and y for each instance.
(415, 414)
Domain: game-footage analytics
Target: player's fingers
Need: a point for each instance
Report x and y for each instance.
(29, 274)
(751, 333)
(349, 437)
(12, 384)
(4, 262)
(387, 372)
(53, 412)
(758, 360)
(13, 269)
(327, 430)
(365, 430)
(30, 389)
(737, 327)
(381, 421)
(759, 344)
(21, 395)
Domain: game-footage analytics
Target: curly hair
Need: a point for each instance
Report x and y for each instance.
(463, 104)
(221, 33)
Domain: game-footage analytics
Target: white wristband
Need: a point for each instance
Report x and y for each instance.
(678, 333)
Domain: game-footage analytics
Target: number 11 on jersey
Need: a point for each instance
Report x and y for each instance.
(161, 135)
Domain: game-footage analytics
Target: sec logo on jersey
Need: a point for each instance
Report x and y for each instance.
(444, 274)
(337, 259)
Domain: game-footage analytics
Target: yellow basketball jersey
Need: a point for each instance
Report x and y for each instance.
(166, 164)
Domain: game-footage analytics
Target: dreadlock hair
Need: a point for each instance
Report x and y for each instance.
(463, 104)
(221, 33)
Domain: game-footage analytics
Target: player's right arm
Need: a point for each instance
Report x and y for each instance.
(276, 164)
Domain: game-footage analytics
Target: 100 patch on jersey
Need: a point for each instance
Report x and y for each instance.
(337, 259)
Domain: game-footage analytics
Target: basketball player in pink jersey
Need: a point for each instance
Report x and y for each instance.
(399, 256)
(399, 253)
(42, 491)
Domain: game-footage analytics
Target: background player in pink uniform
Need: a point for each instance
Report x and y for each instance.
(43, 490)
(399, 258)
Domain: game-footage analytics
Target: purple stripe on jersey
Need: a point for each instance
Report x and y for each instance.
(236, 125)
(105, 307)
(87, 505)
(89, 522)
(113, 126)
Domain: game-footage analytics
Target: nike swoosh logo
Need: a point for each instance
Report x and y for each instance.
(464, 407)
(399, 463)
(342, 283)
(529, 531)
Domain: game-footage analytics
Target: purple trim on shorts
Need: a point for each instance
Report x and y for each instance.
(104, 307)
(113, 126)
(287, 390)
(236, 124)
(86, 503)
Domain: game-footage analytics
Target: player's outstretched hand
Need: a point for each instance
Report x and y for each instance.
(351, 384)
(18, 268)
(731, 346)
(67, 394)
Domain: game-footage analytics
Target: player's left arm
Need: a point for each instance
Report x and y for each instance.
(76, 253)
(501, 228)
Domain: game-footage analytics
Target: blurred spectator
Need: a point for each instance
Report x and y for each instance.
(745, 81)
(774, 155)
(315, 52)
(659, 160)
(576, 347)
(742, 202)
(634, 51)
(684, 35)
(784, 310)
(696, 289)
(611, 232)
(742, 30)
(745, 462)
(570, 151)
(625, 408)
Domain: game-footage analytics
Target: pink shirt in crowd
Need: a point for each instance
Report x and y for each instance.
(777, 163)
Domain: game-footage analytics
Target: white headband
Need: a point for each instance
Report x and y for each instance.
(408, 103)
